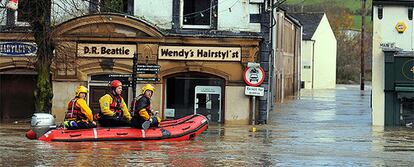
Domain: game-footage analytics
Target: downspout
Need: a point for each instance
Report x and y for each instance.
(271, 65)
(313, 61)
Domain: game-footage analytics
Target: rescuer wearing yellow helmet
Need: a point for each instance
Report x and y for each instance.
(143, 117)
(79, 115)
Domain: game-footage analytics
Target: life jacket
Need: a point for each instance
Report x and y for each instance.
(140, 103)
(74, 112)
(116, 105)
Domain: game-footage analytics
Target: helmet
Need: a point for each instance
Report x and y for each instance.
(147, 87)
(81, 89)
(115, 83)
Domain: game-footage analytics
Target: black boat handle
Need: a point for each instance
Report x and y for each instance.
(75, 135)
(188, 127)
(125, 133)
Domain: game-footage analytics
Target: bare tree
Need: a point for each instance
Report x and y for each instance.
(41, 27)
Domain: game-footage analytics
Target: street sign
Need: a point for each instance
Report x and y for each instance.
(147, 69)
(254, 76)
(254, 91)
(119, 75)
(148, 79)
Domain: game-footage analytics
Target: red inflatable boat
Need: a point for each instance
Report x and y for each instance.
(185, 128)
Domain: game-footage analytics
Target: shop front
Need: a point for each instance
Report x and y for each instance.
(191, 75)
(17, 76)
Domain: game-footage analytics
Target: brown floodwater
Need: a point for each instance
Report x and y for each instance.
(318, 128)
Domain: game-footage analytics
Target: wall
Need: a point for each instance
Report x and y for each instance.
(237, 114)
(287, 52)
(238, 17)
(384, 32)
(158, 12)
(306, 60)
(325, 56)
(63, 92)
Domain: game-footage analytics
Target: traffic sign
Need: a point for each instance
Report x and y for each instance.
(254, 76)
(254, 91)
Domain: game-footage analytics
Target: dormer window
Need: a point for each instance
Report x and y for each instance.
(196, 14)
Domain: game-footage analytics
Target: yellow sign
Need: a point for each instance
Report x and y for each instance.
(199, 53)
(400, 27)
(106, 50)
(412, 69)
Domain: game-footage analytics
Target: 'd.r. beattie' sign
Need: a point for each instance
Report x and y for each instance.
(106, 50)
(199, 53)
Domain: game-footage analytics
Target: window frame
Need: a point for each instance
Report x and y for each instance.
(189, 26)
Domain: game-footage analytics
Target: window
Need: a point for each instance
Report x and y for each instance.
(196, 13)
(23, 11)
(115, 6)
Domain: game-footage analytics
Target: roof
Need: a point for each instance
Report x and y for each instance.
(309, 21)
(394, 2)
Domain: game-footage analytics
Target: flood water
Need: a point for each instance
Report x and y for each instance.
(319, 128)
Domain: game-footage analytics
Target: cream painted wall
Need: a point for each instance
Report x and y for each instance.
(306, 60)
(238, 18)
(63, 92)
(325, 56)
(384, 32)
(158, 12)
(237, 106)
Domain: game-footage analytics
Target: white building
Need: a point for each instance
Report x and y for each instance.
(318, 59)
(389, 17)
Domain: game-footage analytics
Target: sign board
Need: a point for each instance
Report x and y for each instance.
(169, 112)
(254, 91)
(148, 79)
(400, 27)
(147, 69)
(199, 53)
(254, 76)
(18, 49)
(106, 50)
(119, 75)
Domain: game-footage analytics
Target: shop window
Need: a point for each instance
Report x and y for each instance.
(196, 14)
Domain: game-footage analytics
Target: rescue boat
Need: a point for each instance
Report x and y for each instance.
(185, 128)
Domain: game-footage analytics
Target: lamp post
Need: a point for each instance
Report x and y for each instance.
(362, 54)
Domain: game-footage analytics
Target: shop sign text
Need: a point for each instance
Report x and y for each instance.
(106, 50)
(18, 49)
(199, 53)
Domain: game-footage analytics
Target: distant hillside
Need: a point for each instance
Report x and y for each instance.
(353, 6)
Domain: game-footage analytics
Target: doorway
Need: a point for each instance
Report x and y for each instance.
(207, 102)
(98, 87)
(17, 96)
(180, 96)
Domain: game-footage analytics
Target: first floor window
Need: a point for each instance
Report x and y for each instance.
(196, 13)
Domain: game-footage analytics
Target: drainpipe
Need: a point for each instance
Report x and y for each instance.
(313, 61)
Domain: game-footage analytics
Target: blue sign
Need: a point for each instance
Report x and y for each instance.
(17, 49)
